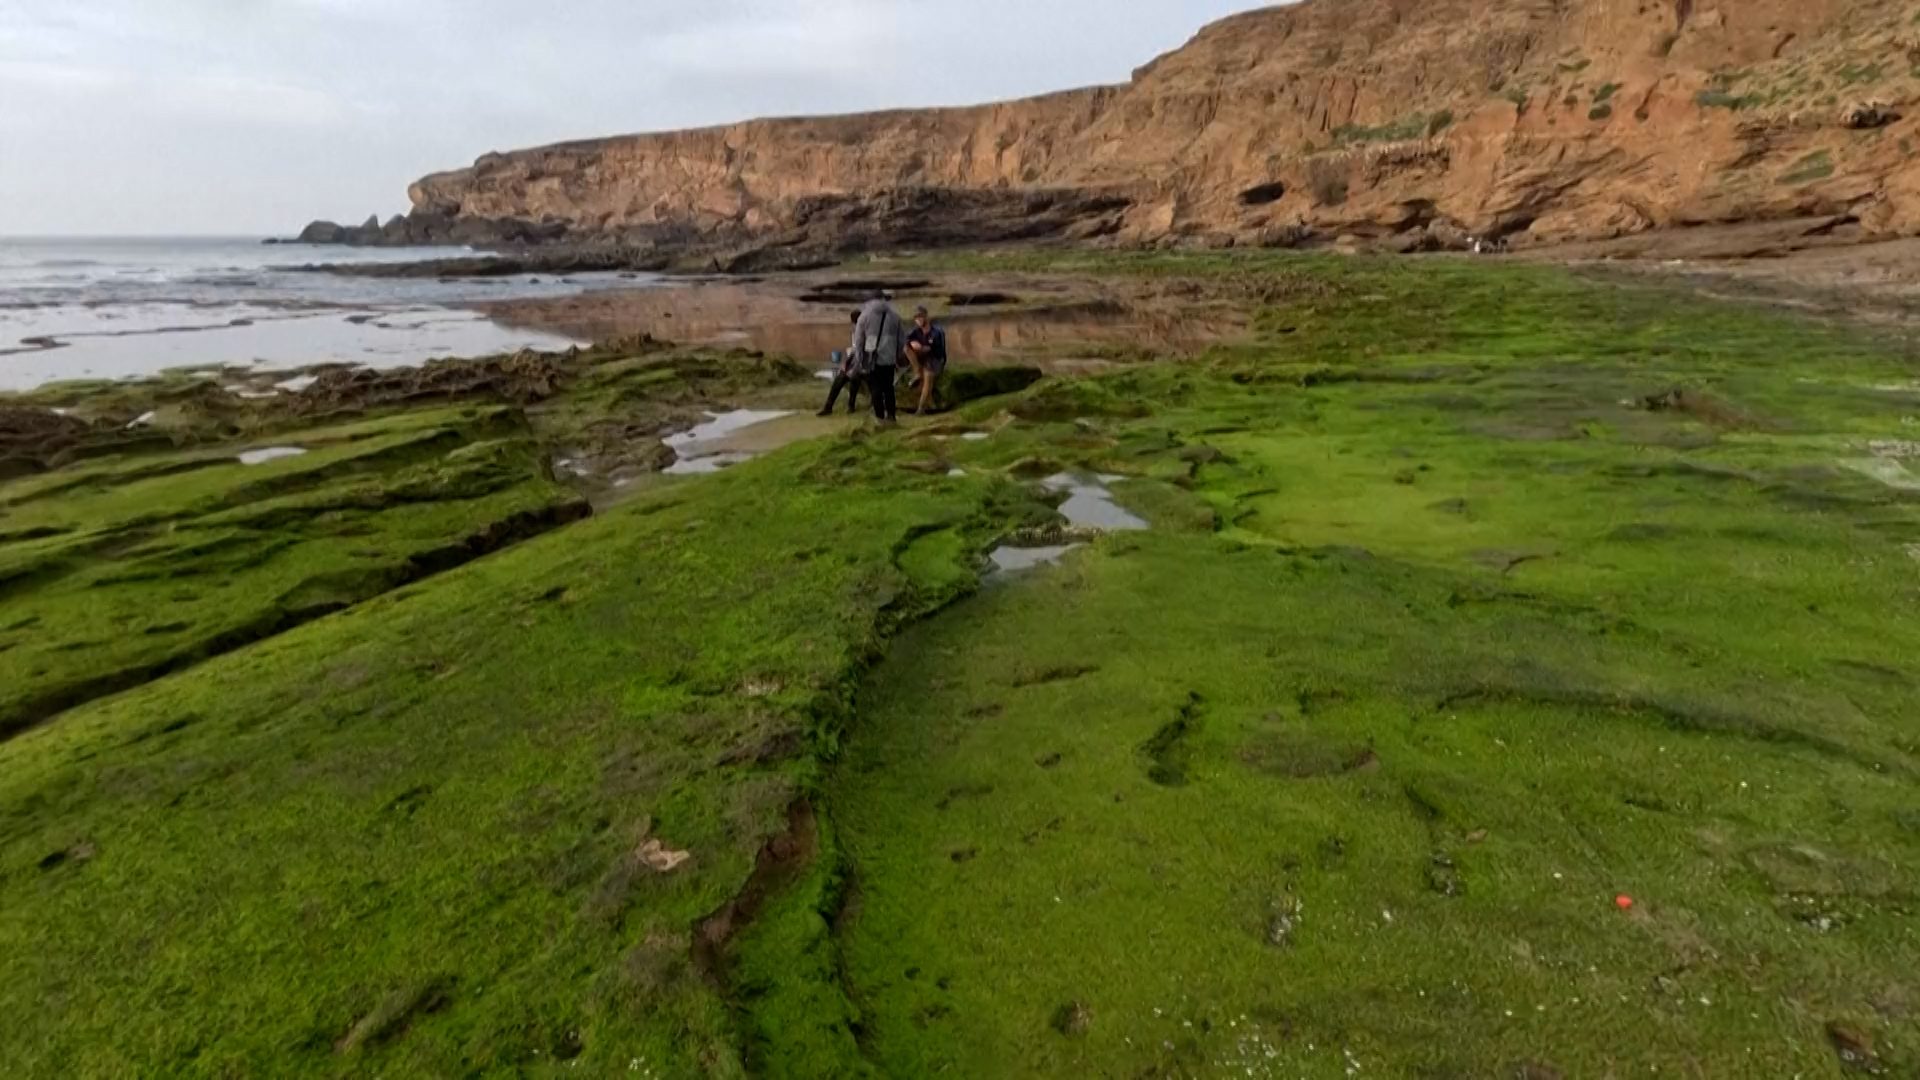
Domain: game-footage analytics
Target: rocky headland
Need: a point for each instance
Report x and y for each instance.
(1403, 125)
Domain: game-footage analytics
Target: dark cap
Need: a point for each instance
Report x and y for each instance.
(919, 311)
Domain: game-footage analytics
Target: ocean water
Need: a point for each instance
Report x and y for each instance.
(124, 308)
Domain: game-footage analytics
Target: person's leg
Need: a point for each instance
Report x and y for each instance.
(928, 382)
(854, 386)
(889, 402)
(877, 384)
(833, 395)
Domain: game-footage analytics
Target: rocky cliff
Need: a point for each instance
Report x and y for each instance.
(1425, 120)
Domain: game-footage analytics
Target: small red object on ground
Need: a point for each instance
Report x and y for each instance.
(1625, 902)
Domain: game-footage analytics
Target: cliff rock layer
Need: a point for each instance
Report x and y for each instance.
(1542, 120)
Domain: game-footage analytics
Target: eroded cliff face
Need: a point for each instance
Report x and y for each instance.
(1543, 120)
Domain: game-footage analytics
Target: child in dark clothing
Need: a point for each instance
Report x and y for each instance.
(845, 377)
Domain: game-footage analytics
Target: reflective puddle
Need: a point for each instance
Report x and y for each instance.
(719, 443)
(703, 466)
(270, 453)
(1009, 560)
(1089, 508)
(1090, 505)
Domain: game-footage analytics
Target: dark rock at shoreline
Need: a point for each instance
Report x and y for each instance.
(823, 228)
(323, 232)
(556, 261)
(949, 217)
(434, 229)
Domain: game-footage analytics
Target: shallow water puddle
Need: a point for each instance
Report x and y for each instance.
(704, 466)
(720, 426)
(1090, 505)
(715, 445)
(270, 453)
(1888, 471)
(1009, 560)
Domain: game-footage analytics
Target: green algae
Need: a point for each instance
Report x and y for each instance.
(150, 563)
(1478, 596)
(135, 553)
(1490, 630)
(447, 788)
(1134, 858)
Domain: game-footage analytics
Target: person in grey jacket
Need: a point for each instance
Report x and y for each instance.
(879, 338)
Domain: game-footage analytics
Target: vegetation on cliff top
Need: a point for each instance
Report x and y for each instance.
(1478, 597)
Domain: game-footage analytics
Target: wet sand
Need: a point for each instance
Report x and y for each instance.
(1064, 325)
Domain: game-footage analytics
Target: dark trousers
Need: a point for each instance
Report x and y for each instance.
(841, 381)
(880, 387)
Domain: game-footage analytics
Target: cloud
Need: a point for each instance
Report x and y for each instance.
(59, 77)
(250, 100)
(823, 40)
(253, 115)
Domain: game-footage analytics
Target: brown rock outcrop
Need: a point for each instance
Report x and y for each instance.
(1431, 120)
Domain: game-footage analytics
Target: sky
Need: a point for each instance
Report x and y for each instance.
(253, 117)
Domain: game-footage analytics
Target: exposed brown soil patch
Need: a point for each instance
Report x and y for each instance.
(1855, 1050)
(1297, 756)
(782, 860)
(1703, 407)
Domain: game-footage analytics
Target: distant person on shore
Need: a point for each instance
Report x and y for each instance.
(927, 350)
(880, 342)
(847, 375)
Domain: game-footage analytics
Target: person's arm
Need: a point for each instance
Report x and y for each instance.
(872, 324)
(894, 332)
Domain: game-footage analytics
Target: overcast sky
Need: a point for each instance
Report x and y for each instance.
(255, 116)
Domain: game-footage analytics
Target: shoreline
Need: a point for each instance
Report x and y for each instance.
(1003, 314)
